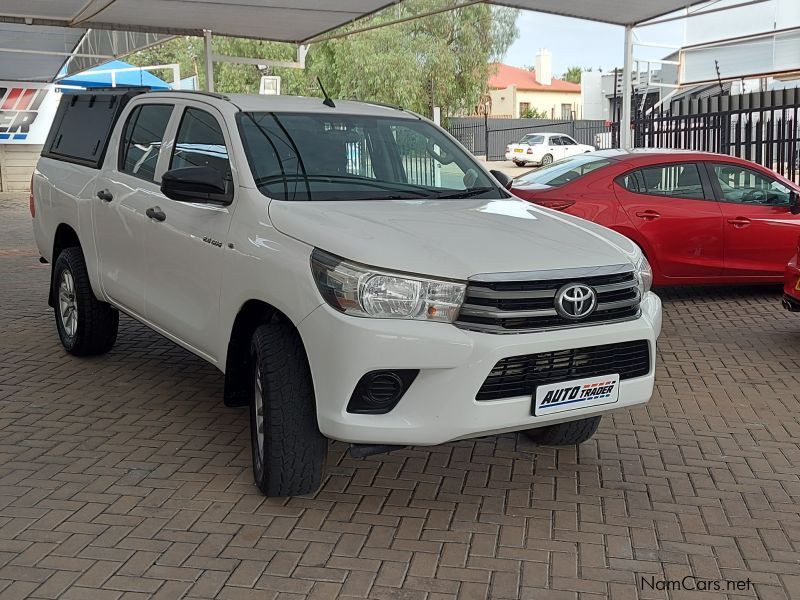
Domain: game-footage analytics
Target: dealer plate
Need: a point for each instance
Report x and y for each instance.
(575, 394)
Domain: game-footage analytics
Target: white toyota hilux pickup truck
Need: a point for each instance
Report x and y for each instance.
(351, 269)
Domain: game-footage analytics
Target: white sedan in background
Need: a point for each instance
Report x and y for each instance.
(540, 149)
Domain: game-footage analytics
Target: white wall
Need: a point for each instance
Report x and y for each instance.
(17, 163)
(592, 98)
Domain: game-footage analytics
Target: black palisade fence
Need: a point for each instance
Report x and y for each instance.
(477, 134)
(761, 126)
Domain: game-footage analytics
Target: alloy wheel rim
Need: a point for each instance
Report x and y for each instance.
(259, 399)
(67, 305)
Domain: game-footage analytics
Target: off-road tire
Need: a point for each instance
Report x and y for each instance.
(293, 449)
(565, 434)
(97, 325)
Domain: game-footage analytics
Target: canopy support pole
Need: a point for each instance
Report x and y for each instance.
(209, 60)
(625, 137)
(625, 140)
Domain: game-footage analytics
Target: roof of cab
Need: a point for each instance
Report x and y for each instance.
(296, 104)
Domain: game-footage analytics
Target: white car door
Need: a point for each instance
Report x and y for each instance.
(124, 190)
(186, 243)
(555, 148)
(569, 147)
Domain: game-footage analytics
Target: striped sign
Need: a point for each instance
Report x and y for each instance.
(19, 108)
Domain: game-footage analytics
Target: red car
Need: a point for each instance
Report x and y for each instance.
(700, 218)
(791, 285)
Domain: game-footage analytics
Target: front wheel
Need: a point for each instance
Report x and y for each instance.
(565, 434)
(547, 159)
(85, 325)
(288, 449)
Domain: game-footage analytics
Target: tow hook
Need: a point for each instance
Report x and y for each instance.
(365, 450)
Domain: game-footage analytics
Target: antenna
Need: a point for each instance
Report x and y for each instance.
(327, 101)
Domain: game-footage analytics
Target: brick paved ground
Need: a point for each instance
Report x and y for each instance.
(124, 476)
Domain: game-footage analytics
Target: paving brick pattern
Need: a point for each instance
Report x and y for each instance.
(124, 476)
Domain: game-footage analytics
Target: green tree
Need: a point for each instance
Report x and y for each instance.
(533, 113)
(445, 58)
(573, 74)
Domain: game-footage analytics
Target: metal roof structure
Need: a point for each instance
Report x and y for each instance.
(614, 12)
(38, 36)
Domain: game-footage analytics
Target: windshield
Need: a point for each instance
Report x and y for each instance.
(564, 171)
(532, 140)
(321, 157)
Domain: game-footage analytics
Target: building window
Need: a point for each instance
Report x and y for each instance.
(566, 111)
(524, 107)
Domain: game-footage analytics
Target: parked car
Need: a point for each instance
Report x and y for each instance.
(791, 285)
(700, 218)
(391, 296)
(542, 149)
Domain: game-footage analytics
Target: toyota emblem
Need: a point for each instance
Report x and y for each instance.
(575, 301)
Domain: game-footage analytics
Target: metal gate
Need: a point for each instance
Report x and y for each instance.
(761, 126)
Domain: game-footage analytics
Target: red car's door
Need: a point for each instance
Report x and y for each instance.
(760, 232)
(673, 208)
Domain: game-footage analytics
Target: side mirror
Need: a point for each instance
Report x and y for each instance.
(794, 203)
(502, 178)
(195, 184)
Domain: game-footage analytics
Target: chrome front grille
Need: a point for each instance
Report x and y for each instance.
(524, 302)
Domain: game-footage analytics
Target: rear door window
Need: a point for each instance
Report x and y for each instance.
(142, 139)
(677, 180)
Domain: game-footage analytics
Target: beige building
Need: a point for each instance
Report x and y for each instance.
(514, 90)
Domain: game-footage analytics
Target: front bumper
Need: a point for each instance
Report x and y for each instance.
(440, 405)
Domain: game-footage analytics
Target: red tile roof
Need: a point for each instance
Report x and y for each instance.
(506, 75)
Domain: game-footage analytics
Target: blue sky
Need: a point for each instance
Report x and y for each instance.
(583, 43)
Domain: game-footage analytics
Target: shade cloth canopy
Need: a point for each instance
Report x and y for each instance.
(36, 36)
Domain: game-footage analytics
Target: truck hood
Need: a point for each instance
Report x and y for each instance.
(451, 238)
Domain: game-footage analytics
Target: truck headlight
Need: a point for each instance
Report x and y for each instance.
(644, 274)
(363, 291)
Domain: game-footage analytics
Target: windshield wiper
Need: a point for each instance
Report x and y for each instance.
(463, 193)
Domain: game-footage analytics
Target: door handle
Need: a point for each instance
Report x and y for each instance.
(648, 215)
(105, 195)
(155, 213)
(740, 222)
